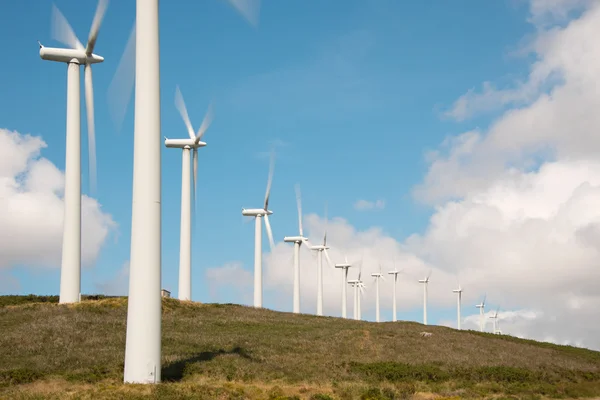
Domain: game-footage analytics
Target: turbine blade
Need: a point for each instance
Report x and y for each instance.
(269, 232)
(100, 10)
(299, 205)
(328, 259)
(62, 31)
(270, 179)
(180, 104)
(91, 128)
(249, 9)
(121, 86)
(326, 223)
(208, 117)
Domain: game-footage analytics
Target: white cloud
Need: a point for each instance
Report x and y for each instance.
(362, 205)
(554, 118)
(118, 285)
(31, 207)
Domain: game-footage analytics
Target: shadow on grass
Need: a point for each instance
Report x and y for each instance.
(174, 372)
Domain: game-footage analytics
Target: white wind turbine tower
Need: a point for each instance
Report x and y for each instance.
(258, 214)
(459, 295)
(344, 267)
(185, 241)
(395, 272)
(481, 307)
(377, 276)
(76, 55)
(425, 282)
(496, 330)
(354, 284)
(143, 346)
(320, 249)
(297, 240)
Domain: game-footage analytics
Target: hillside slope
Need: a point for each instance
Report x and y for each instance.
(230, 351)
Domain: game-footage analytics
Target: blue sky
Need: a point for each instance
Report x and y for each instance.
(351, 90)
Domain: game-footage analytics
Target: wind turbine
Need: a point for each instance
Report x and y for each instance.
(320, 249)
(425, 282)
(344, 266)
(395, 272)
(459, 295)
(377, 276)
(258, 214)
(297, 240)
(76, 55)
(143, 346)
(495, 322)
(481, 307)
(185, 241)
(361, 287)
(358, 286)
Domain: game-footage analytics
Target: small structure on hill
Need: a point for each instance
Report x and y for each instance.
(165, 293)
(426, 334)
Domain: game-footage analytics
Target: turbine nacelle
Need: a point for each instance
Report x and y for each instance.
(255, 212)
(183, 143)
(69, 55)
(377, 274)
(457, 290)
(343, 265)
(319, 247)
(423, 280)
(294, 239)
(393, 272)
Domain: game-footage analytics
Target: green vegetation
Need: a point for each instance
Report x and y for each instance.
(216, 351)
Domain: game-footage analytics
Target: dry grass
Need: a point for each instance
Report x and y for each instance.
(229, 351)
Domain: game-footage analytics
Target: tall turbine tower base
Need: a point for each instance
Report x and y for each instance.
(70, 271)
(185, 243)
(258, 261)
(143, 341)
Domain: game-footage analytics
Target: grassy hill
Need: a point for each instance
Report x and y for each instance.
(225, 351)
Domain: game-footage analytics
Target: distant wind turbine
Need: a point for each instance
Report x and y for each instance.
(344, 267)
(395, 272)
(425, 282)
(377, 276)
(481, 307)
(321, 249)
(459, 295)
(496, 329)
(185, 237)
(258, 214)
(297, 240)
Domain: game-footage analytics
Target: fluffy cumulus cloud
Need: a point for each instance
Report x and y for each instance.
(362, 205)
(516, 211)
(31, 207)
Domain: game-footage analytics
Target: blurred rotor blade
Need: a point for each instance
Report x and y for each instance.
(62, 31)
(270, 179)
(121, 86)
(180, 104)
(299, 205)
(91, 128)
(208, 117)
(100, 10)
(328, 259)
(269, 232)
(249, 9)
